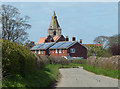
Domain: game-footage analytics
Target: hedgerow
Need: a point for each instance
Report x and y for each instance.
(16, 59)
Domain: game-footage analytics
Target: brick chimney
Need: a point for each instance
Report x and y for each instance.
(66, 39)
(73, 39)
(81, 41)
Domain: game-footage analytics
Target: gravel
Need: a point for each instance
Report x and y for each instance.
(77, 77)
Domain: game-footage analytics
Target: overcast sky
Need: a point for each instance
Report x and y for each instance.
(84, 20)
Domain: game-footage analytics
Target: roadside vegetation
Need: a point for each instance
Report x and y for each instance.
(49, 75)
(21, 68)
(98, 51)
(100, 71)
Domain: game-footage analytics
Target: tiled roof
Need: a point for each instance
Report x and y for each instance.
(93, 44)
(55, 38)
(42, 40)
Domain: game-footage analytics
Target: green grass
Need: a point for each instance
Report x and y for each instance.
(100, 71)
(71, 65)
(49, 74)
(39, 78)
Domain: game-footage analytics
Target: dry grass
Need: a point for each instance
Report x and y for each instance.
(105, 63)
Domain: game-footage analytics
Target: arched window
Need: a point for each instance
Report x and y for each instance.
(54, 32)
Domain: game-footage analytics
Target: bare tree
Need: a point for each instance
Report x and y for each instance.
(107, 41)
(29, 44)
(13, 26)
(102, 40)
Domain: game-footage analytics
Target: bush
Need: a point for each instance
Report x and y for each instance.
(16, 59)
(58, 60)
(104, 63)
(78, 61)
(115, 49)
(98, 51)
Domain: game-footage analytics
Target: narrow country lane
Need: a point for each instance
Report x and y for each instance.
(77, 77)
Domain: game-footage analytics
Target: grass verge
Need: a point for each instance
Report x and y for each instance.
(49, 74)
(39, 78)
(100, 71)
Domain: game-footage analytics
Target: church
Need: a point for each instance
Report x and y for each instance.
(55, 44)
(54, 32)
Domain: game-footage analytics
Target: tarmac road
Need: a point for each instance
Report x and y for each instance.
(77, 77)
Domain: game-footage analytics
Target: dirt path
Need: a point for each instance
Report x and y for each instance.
(77, 77)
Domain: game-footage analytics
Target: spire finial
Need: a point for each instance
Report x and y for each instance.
(54, 14)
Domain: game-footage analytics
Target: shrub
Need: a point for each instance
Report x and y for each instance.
(98, 51)
(16, 59)
(78, 61)
(105, 63)
(115, 49)
(58, 60)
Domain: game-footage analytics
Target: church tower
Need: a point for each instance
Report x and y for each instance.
(54, 28)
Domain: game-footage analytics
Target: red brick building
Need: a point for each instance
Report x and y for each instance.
(63, 48)
(42, 48)
(55, 44)
(69, 48)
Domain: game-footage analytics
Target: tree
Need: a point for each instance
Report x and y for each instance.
(107, 41)
(115, 49)
(97, 51)
(13, 26)
(29, 44)
(112, 43)
(102, 40)
(113, 40)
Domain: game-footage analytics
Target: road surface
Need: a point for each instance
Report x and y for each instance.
(78, 77)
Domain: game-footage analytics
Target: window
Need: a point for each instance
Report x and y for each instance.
(53, 51)
(56, 51)
(39, 52)
(42, 51)
(35, 51)
(72, 50)
(59, 50)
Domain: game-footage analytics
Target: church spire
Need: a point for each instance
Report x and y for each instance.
(54, 14)
(54, 28)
